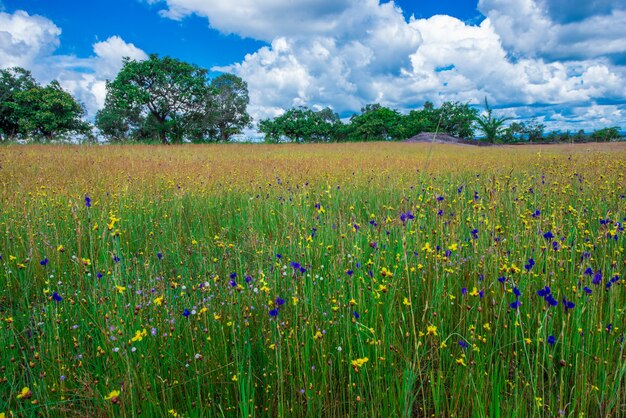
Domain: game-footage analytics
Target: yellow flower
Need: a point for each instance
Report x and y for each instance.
(25, 393)
(453, 247)
(60, 248)
(113, 395)
(461, 361)
(318, 335)
(139, 335)
(474, 292)
(431, 330)
(120, 289)
(406, 302)
(234, 378)
(360, 362)
(158, 301)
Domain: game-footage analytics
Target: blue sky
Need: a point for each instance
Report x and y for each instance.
(562, 62)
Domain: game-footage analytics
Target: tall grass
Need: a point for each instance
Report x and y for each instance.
(339, 280)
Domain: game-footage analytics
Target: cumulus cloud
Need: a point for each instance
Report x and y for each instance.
(559, 30)
(30, 41)
(25, 38)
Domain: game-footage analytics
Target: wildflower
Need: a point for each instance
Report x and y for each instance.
(517, 292)
(529, 265)
(463, 344)
(56, 297)
(536, 214)
(44, 262)
(87, 201)
(318, 335)
(474, 291)
(516, 304)
(548, 235)
(356, 315)
(113, 396)
(273, 312)
(120, 289)
(461, 362)
(160, 255)
(186, 313)
(568, 304)
(158, 301)
(597, 278)
(280, 301)
(587, 290)
(360, 362)
(406, 302)
(234, 378)
(431, 330)
(474, 233)
(25, 393)
(139, 335)
(551, 340)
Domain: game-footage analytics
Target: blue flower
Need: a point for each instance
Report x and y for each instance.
(57, 297)
(548, 235)
(529, 265)
(502, 279)
(544, 292)
(517, 292)
(350, 273)
(279, 256)
(536, 214)
(551, 340)
(160, 255)
(463, 344)
(233, 283)
(568, 304)
(248, 279)
(186, 313)
(516, 304)
(597, 278)
(280, 301)
(474, 233)
(356, 315)
(587, 290)
(44, 261)
(87, 201)
(273, 312)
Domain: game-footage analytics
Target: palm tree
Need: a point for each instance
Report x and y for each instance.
(491, 126)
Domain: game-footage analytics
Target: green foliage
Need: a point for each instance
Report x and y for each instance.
(31, 111)
(172, 100)
(302, 124)
(491, 126)
(13, 81)
(375, 123)
(606, 134)
(530, 131)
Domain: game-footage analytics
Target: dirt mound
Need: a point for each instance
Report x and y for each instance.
(443, 138)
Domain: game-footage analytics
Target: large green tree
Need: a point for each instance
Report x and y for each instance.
(376, 123)
(46, 112)
(13, 81)
(227, 104)
(164, 91)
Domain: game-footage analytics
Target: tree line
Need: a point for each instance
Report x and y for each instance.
(162, 99)
(379, 123)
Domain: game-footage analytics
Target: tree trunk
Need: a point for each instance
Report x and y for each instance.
(162, 135)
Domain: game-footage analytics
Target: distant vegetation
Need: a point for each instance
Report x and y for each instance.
(165, 100)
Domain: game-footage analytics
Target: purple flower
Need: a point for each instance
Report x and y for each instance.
(597, 278)
(464, 291)
(551, 340)
(56, 297)
(87, 201)
(248, 279)
(587, 290)
(44, 261)
(273, 312)
(295, 265)
(463, 344)
(529, 265)
(568, 304)
(159, 255)
(536, 214)
(502, 279)
(517, 292)
(233, 283)
(280, 301)
(350, 273)
(474, 233)
(548, 235)
(516, 304)
(279, 256)
(544, 292)
(99, 275)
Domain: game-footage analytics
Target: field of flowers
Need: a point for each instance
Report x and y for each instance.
(324, 280)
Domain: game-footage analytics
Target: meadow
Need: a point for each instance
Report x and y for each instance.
(379, 279)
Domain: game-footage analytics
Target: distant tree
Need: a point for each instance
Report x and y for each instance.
(375, 123)
(168, 90)
(606, 134)
(456, 119)
(45, 112)
(301, 124)
(13, 81)
(534, 130)
(529, 131)
(489, 125)
(417, 121)
(226, 105)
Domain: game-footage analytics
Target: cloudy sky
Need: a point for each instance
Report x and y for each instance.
(561, 61)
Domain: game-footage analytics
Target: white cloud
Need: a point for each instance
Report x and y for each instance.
(30, 41)
(25, 38)
(555, 30)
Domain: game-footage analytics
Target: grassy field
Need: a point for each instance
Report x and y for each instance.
(313, 280)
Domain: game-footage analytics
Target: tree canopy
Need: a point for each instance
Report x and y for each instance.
(28, 110)
(172, 100)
